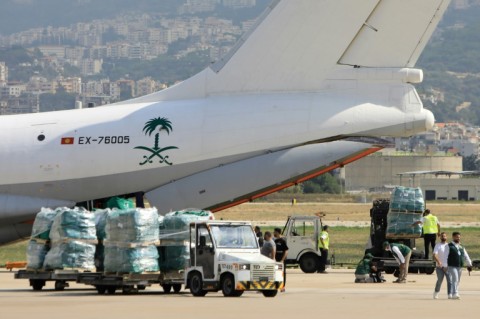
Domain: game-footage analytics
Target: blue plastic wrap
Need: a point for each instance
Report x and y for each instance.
(101, 223)
(43, 223)
(76, 223)
(407, 199)
(131, 260)
(73, 238)
(173, 257)
(71, 254)
(132, 226)
(176, 225)
(36, 252)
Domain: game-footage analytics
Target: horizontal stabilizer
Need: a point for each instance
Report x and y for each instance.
(395, 34)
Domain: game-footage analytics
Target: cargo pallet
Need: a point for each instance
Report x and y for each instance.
(378, 234)
(132, 283)
(38, 278)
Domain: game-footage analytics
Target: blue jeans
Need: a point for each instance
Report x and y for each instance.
(443, 273)
(455, 273)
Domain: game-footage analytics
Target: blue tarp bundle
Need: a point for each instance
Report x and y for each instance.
(132, 226)
(174, 252)
(70, 254)
(73, 238)
(75, 223)
(406, 208)
(36, 252)
(407, 199)
(43, 223)
(131, 260)
(131, 236)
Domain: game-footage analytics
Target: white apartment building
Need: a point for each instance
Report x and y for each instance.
(3, 73)
(91, 66)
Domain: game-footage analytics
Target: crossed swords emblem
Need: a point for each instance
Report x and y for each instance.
(162, 124)
(156, 153)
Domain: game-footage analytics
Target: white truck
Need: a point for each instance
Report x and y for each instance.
(225, 256)
(301, 234)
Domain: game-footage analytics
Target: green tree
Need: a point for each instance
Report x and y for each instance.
(151, 126)
(325, 183)
(470, 163)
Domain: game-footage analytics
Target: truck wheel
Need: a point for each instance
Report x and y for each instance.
(167, 288)
(389, 270)
(309, 263)
(196, 285)
(177, 288)
(101, 289)
(60, 285)
(37, 284)
(111, 290)
(269, 293)
(429, 270)
(228, 286)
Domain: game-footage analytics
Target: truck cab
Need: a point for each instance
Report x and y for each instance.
(301, 234)
(225, 256)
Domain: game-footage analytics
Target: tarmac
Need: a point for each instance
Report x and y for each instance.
(331, 295)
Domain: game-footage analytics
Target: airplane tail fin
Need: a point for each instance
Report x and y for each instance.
(297, 44)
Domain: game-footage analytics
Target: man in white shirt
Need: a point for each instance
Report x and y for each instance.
(440, 255)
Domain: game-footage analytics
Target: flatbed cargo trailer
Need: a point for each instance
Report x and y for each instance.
(132, 283)
(39, 278)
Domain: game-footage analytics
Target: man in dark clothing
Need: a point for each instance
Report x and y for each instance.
(281, 253)
(367, 271)
(259, 234)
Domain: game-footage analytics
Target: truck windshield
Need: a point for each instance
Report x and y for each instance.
(234, 236)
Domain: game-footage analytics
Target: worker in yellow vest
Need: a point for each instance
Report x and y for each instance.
(323, 243)
(431, 229)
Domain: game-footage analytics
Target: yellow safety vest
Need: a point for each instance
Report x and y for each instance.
(326, 241)
(430, 224)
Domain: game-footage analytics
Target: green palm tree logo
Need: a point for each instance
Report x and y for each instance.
(163, 124)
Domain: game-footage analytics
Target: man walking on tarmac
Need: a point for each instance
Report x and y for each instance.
(457, 255)
(440, 254)
(281, 252)
(323, 243)
(402, 254)
(431, 229)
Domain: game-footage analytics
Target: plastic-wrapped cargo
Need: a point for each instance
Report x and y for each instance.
(75, 223)
(73, 238)
(406, 208)
(131, 260)
(70, 254)
(101, 223)
(401, 225)
(175, 226)
(36, 252)
(407, 199)
(120, 203)
(173, 257)
(131, 236)
(174, 250)
(138, 225)
(43, 223)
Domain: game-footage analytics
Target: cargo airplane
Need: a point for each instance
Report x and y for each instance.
(295, 98)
